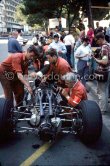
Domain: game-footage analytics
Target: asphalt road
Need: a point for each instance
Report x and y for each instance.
(68, 150)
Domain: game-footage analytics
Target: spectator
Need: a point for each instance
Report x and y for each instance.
(35, 40)
(57, 31)
(105, 29)
(59, 47)
(103, 65)
(83, 54)
(75, 31)
(20, 38)
(77, 44)
(69, 43)
(63, 34)
(90, 34)
(98, 28)
(81, 25)
(13, 44)
(108, 34)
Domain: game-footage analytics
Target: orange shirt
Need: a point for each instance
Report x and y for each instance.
(15, 63)
(77, 93)
(61, 67)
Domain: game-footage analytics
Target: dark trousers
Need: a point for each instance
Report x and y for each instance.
(83, 71)
(68, 54)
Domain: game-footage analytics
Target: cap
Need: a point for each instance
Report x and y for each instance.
(56, 36)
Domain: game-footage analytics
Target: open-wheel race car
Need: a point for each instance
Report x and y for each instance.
(45, 114)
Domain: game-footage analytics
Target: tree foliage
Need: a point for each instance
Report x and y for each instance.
(39, 11)
(20, 17)
(99, 14)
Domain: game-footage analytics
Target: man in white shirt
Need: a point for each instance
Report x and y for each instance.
(83, 54)
(20, 38)
(69, 43)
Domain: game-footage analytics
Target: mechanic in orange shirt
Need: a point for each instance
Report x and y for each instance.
(13, 74)
(75, 91)
(58, 66)
(41, 64)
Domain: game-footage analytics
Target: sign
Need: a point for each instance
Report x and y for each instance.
(55, 22)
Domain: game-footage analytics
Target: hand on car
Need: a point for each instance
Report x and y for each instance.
(30, 90)
(64, 93)
(33, 75)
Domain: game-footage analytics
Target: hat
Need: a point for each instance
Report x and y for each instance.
(56, 36)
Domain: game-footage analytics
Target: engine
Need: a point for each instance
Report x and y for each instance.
(44, 117)
(48, 129)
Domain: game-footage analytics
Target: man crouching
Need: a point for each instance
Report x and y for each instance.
(75, 91)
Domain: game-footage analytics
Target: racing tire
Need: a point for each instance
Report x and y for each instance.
(91, 121)
(6, 126)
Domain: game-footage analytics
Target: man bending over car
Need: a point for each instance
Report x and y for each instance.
(41, 64)
(56, 66)
(12, 72)
(75, 91)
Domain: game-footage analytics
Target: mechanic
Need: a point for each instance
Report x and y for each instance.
(75, 91)
(13, 74)
(41, 64)
(58, 66)
(53, 69)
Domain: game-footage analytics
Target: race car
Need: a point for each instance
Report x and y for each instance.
(47, 114)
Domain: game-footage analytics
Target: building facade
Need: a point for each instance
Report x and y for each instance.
(8, 22)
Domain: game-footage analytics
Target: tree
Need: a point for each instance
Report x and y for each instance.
(41, 10)
(20, 17)
(53, 8)
(99, 14)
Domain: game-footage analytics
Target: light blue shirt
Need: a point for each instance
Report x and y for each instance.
(59, 46)
(108, 31)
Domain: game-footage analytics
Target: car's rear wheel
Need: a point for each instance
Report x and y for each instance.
(6, 125)
(90, 114)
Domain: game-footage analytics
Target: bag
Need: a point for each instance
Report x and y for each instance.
(101, 75)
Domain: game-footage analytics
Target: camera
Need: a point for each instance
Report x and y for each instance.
(97, 53)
